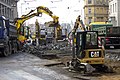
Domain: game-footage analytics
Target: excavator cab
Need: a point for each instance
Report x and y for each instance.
(87, 39)
(87, 50)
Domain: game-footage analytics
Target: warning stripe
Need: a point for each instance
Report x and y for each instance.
(99, 42)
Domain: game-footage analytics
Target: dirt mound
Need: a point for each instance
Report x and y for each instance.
(115, 65)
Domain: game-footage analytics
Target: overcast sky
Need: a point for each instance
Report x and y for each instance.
(67, 10)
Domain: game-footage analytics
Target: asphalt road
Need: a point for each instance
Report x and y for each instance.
(23, 66)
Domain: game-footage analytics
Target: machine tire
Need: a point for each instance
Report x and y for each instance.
(19, 46)
(15, 48)
(10, 49)
(7, 50)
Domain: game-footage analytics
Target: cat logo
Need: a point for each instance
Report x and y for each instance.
(95, 54)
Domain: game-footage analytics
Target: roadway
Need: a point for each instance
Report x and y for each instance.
(23, 66)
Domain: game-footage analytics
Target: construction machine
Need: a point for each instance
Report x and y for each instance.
(57, 30)
(8, 37)
(87, 56)
(36, 12)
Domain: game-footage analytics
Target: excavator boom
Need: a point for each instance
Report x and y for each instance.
(48, 12)
(39, 10)
(20, 21)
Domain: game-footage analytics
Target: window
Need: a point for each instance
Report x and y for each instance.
(97, 10)
(80, 40)
(115, 7)
(89, 20)
(97, 1)
(105, 1)
(2, 9)
(91, 38)
(101, 9)
(110, 8)
(1, 23)
(5, 10)
(89, 1)
(100, 19)
(101, 2)
(89, 11)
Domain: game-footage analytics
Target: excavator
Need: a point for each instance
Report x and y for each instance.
(87, 56)
(57, 30)
(41, 9)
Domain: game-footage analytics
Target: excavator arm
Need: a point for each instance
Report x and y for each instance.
(45, 10)
(78, 24)
(32, 13)
(20, 21)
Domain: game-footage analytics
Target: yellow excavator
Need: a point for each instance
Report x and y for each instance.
(36, 12)
(87, 56)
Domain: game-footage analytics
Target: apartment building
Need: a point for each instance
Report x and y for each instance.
(114, 12)
(8, 8)
(95, 11)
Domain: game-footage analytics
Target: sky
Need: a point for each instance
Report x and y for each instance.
(66, 10)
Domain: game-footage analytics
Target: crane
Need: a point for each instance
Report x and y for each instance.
(31, 14)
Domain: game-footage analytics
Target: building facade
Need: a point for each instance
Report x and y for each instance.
(95, 11)
(114, 12)
(8, 8)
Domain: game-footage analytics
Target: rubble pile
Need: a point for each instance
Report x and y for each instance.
(49, 49)
(112, 59)
(113, 56)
